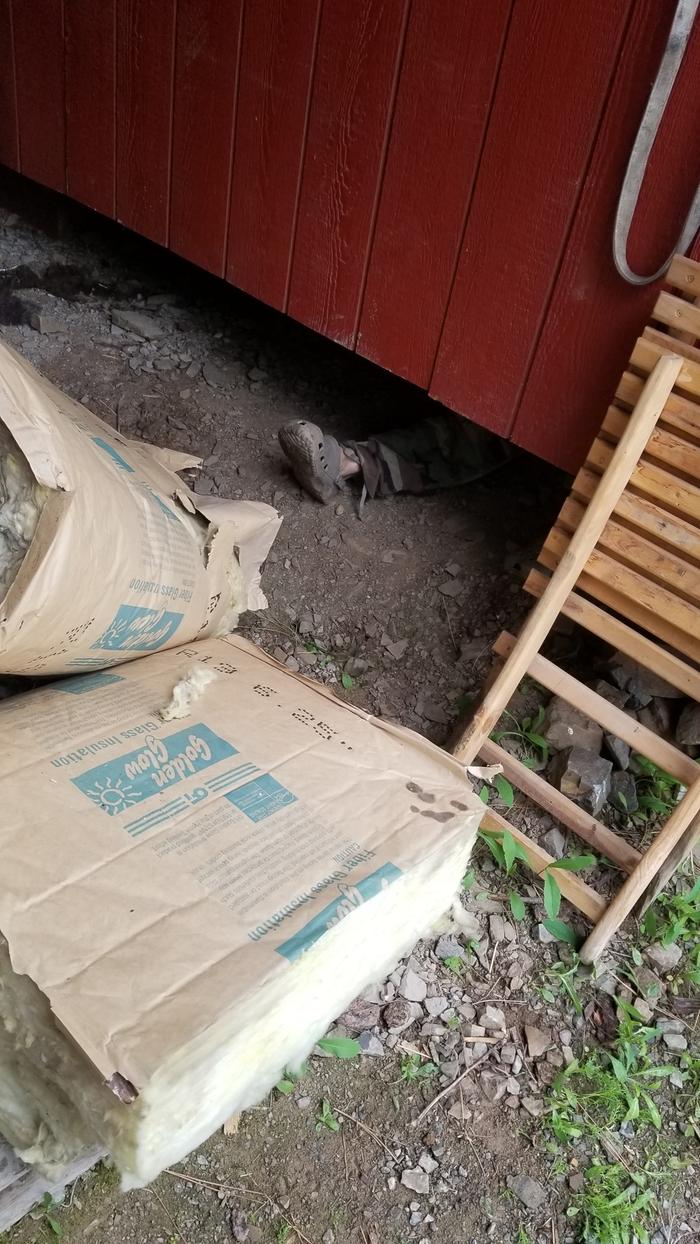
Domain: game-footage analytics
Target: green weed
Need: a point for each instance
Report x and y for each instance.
(326, 1118)
(413, 1067)
(455, 964)
(533, 747)
(46, 1212)
(615, 1206)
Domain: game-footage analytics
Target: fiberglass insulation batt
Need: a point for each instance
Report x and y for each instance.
(105, 554)
(186, 905)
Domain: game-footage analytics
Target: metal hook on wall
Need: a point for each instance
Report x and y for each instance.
(677, 42)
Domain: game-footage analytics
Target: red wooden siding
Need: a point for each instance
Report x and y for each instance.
(206, 73)
(9, 134)
(145, 76)
(442, 107)
(37, 30)
(90, 103)
(432, 185)
(279, 48)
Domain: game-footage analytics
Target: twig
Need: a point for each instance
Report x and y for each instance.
(366, 1129)
(493, 958)
(444, 1092)
(345, 1156)
(167, 1213)
(218, 1187)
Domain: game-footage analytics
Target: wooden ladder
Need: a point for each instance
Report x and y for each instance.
(623, 561)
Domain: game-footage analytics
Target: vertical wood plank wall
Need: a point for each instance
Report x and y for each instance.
(432, 185)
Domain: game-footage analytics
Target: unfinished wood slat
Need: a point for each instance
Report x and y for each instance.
(578, 892)
(675, 858)
(675, 492)
(665, 443)
(676, 621)
(646, 355)
(645, 872)
(639, 512)
(659, 564)
(611, 718)
(685, 350)
(622, 636)
(679, 412)
(562, 809)
(540, 621)
(677, 314)
(684, 274)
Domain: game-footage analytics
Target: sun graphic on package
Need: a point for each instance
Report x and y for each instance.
(113, 797)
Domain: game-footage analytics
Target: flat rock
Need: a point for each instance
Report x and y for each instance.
(538, 1041)
(564, 726)
(427, 1163)
(688, 728)
(492, 1019)
(642, 684)
(527, 1190)
(623, 792)
(614, 695)
(493, 1085)
(534, 1106)
(413, 988)
(432, 712)
(448, 947)
(497, 927)
(137, 322)
(417, 1180)
(360, 1015)
(664, 958)
(400, 1014)
(584, 776)
(618, 751)
(451, 587)
(44, 323)
(554, 841)
(369, 1044)
(436, 1006)
(675, 1041)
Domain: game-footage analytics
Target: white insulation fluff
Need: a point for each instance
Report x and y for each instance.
(188, 905)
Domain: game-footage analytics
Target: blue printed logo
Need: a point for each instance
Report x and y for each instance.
(88, 682)
(350, 897)
(162, 762)
(113, 454)
(134, 627)
(261, 798)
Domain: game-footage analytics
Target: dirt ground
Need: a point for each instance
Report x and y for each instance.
(405, 598)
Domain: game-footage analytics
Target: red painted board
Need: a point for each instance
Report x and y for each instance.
(445, 90)
(279, 43)
(145, 56)
(9, 135)
(548, 105)
(357, 62)
(595, 316)
(39, 74)
(90, 48)
(206, 70)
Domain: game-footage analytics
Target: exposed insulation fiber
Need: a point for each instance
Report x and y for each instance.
(21, 502)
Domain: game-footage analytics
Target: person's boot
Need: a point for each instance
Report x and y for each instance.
(315, 458)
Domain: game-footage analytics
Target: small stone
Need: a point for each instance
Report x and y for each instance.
(664, 958)
(137, 322)
(400, 1014)
(554, 841)
(576, 1181)
(584, 776)
(193, 370)
(534, 1106)
(164, 365)
(360, 1015)
(538, 1041)
(449, 948)
(257, 373)
(459, 1111)
(545, 936)
(493, 1085)
(564, 726)
(430, 711)
(513, 1086)
(614, 695)
(427, 1163)
(640, 682)
(453, 568)
(436, 1006)
(674, 1041)
(645, 1010)
(623, 792)
(303, 1103)
(496, 927)
(417, 1180)
(688, 728)
(451, 587)
(413, 988)
(492, 1019)
(527, 1190)
(391, 1183)
(371, 1045)
(618, 751)
(44, 323)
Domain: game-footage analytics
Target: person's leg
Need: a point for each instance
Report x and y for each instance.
(440, 452)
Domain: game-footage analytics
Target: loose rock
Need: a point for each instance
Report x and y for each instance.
(137, 322)
(583, 776)
(564, 726)
(413, 988)
(664, 958)
(417, 1180)
(538, 1041)
(369, 1044)
(360, 1015)
(688, 728)
(527, 1190)
(623, 792)
(492, 1019)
